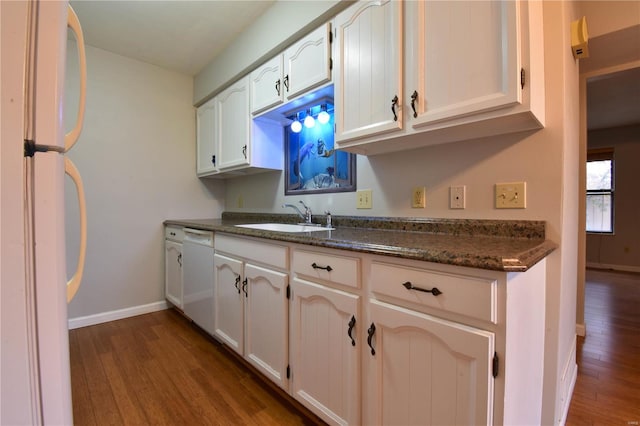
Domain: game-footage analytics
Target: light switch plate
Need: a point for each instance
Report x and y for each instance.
(418, 197)
(511, 195)
(364, 199)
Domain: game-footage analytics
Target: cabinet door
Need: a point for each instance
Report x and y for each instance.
(325, 360)
(368, 69)
(463, 58)
(229, 301)
(233, 129)
(426, 370)
(307, 63)
(206, 143)
(267, 86)
(266, 322)
(173, 273)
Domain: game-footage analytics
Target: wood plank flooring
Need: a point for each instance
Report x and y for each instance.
(157, 369)
(607, 390)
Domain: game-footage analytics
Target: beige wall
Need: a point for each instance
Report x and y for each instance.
(607, 16)
(614, 30)
(622, 249)
(136, 156)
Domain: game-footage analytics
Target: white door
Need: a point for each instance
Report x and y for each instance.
(229, 301)
(266, 322)
(267, 86)
(426, 371)
(307, 63)
(325, 351)
(206, 145)
(233, 125)
(368, 70)
(173, 272)
(463, 58)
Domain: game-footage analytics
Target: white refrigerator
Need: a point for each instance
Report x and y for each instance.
(34, 370)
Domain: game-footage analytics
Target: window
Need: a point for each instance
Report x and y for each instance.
(600, 189)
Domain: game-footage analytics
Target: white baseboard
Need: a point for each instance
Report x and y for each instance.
(623, 268)
(581, 329)
(116, 315)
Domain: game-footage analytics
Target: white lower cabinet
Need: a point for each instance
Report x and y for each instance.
(251, 306)
(369, 339)
(173, 266)
(326, 334)
(325, 351)
(229, 302)
(425, 370)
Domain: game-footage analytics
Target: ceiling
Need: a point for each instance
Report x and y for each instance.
(613, 99)
(185, 35)
(180, 35)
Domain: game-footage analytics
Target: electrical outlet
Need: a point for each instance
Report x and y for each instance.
(457, 197)
(364, 199)
(512, 195)
(418, 197)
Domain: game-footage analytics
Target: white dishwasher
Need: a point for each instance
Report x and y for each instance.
(198, 277)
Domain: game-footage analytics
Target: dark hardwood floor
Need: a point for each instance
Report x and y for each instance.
(159, 369)
(607, 390)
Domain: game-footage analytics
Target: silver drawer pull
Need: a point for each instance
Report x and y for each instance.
(410, 286)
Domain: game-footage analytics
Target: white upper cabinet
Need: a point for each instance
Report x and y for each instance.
(470, 69)
(478, 69)
(206, 139)
(229, 142)
(302, 67)
(234, 125)
(368, 70)
(267, 87)
(307, 63)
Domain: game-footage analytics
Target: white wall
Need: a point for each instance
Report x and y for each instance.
(136, 156)
(622, 249)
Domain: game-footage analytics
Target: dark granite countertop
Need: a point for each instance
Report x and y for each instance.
(503, 245)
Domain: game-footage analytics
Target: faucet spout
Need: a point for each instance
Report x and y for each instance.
(296, 209)
(307, 212)
(306, 216)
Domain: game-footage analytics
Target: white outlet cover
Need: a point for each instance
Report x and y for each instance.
(457, 197)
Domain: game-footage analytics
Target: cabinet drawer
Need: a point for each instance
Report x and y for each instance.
(258, 251)
(336, 269)
(471, 296)
(174, 233)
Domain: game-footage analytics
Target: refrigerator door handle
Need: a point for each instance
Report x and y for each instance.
(74, 283)
(72, 137)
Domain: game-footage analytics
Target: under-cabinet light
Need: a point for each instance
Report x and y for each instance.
(309, 121)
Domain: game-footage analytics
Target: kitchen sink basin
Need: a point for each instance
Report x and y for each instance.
(285, 227)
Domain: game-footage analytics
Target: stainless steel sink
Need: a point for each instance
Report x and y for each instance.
(285, 227)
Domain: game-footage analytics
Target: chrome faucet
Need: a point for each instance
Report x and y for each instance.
(307, 212)
(306, 216)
